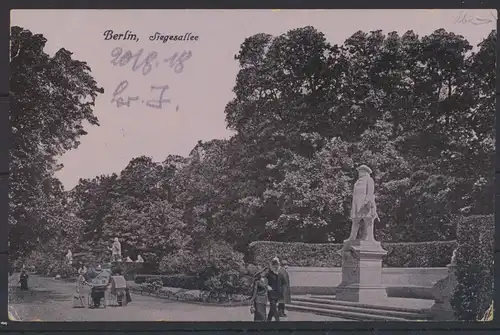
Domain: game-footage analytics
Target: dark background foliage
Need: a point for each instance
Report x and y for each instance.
(475, 268)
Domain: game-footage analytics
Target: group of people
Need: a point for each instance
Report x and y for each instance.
(272, 285)
(98, 289)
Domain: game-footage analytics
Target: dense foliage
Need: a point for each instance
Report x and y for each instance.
(51, 98)
(423, 254)
(474, 270)
(418, 110)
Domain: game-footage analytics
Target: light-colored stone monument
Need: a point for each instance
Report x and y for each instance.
(443, 292)
(116, 251)
(69, 257)
(362, 256)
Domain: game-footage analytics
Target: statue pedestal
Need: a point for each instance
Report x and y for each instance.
(362, 272)
(443, 292)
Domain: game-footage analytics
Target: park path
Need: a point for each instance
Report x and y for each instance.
(51, 300)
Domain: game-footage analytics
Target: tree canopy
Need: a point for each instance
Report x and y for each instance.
(51, 97)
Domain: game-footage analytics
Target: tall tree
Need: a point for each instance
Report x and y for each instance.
(51, 97)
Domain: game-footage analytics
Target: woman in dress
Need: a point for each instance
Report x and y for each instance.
(81, 284)
(259, 297)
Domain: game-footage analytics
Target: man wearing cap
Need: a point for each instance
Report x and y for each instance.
(275, 282)
(363, 205)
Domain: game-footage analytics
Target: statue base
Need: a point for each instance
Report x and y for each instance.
(362, 272)
(443, 292)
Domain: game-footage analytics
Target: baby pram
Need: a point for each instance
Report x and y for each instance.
(118, 291)
(98, 292)
(97, 297)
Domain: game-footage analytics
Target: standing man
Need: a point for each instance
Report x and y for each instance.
(23, 280)
(287, 295)
(275, 283)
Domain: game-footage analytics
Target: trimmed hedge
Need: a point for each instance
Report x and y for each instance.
(474, 269)
(424, 254)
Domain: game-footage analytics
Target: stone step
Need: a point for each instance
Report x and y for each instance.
(343, 314)
(330, 300)
(361, 311)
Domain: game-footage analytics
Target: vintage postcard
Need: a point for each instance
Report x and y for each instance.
(252, 165)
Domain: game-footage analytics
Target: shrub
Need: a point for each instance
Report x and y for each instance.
(179, 281)
(182, 261)
(63, 269)
(152, 285)
(182, 281)
(130, 270)
(151, 262)
(43, 263)
(215, 267)
(474, 269)
(39, 262)
(222, 286)
(423, 254)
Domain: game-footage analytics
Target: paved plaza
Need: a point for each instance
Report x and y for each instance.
(51, 300)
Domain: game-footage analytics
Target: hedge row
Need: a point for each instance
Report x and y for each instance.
(474, 269)
(424, 254)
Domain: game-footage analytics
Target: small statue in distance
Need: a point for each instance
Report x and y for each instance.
(116, 251)
(69, 257)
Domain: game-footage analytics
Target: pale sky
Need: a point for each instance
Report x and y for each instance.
(203, 89)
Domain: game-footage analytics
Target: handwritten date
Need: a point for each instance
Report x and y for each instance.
(119, 57)
(122, 101)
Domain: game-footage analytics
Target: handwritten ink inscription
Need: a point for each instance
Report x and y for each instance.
(121, 58)
(465, 18)
(121, 101)
(144, 62)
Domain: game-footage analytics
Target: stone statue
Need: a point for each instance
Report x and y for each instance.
(453, 261)
(363, 208)
(116, 251)
(139, 259)
(69, 257)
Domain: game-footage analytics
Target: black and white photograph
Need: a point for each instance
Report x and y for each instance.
(252, 165)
